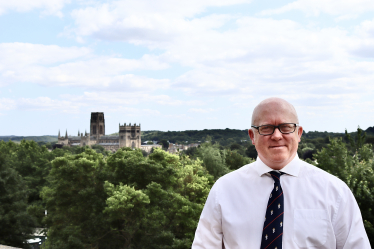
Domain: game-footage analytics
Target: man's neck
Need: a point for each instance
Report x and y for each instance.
(276, 165)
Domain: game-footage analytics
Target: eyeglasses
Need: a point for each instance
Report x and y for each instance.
(285, 128)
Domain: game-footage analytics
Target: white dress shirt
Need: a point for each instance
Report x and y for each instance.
(320, 211)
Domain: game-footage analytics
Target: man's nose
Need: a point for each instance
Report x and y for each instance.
(277, 134)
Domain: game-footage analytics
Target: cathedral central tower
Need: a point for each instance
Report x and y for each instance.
(97, 125)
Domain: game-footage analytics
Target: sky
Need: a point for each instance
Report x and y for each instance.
(183, 65)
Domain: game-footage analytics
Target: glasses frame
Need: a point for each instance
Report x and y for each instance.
(274, 126)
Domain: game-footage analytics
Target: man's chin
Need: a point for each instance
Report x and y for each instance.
(280, 159)
(274, 149)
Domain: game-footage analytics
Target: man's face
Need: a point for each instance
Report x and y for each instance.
(278, 149)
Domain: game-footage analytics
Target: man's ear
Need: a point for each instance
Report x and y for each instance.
(251, 136)
(299, 132)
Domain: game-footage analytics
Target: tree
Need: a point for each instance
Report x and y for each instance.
(360, 139)
(213, 159)
(98, 148)
(356, 169)
(124, 200)
(191, 152)
(251, 151)
(32, 162)
(165, 144)
(16, 224)
(75, 200)
(234, 160)
(127, 205)
(177, 189)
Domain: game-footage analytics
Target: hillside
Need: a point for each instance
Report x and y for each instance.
(222, 136)
(46, 139)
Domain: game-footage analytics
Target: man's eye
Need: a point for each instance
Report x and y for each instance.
(266, 128)
(287, 127)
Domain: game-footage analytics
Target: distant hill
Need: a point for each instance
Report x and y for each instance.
(322, 134)
(370, 130)
(223, 136)
(228, 136)
(46, 139)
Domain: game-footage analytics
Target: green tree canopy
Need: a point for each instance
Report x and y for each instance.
(214, 159)
(356, 169)
(16, 224)
(165, 144)
(234, 160)
(124, 200)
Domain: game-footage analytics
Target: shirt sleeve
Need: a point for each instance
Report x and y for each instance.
(348, 226)
(209, 230)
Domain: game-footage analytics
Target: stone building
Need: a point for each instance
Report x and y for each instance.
(128, 136)
(176, 148)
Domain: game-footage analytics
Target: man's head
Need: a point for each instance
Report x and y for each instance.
(278, 149)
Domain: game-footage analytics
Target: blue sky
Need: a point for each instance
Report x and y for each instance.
(183, 65)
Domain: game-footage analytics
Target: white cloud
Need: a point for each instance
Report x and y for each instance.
(134, 103)
(167, 100)
(54, 65)
(25, 54)
(48, 7)
(46, 104)
(257, 56)
(40, 104)
(202, 110)
(260, 56)
(146, 22)
(125, 99)
(344, 8)
(365, 29)
(7, 104)
(104, 98)
(234, 58)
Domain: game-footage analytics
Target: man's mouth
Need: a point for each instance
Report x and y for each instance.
(277, 146)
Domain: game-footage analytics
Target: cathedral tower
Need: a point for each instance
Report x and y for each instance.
(97, 125)
(129, 136)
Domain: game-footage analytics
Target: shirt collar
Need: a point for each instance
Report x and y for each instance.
(292, 168)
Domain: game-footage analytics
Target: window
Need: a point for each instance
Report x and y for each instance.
(101, 129)
(94, 129)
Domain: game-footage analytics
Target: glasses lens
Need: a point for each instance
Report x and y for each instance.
(287, 128)
(266, 129)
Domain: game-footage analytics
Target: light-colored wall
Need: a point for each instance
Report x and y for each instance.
(148, 147)
(127, 138)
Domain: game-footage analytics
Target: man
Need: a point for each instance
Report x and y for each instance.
(279, 201)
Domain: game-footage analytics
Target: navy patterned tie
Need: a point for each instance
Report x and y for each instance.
(273, 225)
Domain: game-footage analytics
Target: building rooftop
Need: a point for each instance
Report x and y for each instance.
(109, 137)
(74, 138)
(103, 144)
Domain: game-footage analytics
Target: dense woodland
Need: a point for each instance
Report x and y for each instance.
(131, 199)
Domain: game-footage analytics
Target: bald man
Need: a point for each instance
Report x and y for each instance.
(279, 201)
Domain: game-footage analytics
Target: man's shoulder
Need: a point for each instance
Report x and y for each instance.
(319, 175)
(245, 173)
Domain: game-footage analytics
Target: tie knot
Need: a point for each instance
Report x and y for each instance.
(276, 175)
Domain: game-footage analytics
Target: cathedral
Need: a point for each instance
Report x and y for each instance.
(128, 136)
